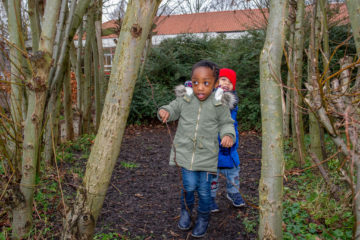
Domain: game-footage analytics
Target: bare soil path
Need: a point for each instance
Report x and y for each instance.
(142, 201)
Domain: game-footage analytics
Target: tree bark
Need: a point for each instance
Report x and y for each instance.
(51, 129)
(88, 66)
(59, 38)
(147, 49)
(51, 107)
(80, 80)
(353, 7)
(313, 79)
(22, 213)
(326, 60)
(34, 18)
(50, 121)
(90, 197)
(325, 37)
(17, 89)
(298, 130)
(288, 114)
(102, 79)
(272, 170)
(97, 89)
(68, 113)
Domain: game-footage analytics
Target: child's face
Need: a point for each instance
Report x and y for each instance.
(203, 82)
(225, 84)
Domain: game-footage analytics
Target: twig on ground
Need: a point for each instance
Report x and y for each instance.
(7, 184)
(116, 188)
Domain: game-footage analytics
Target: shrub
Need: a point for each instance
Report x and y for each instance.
(170, 63)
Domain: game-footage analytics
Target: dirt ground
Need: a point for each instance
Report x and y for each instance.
(143, 200)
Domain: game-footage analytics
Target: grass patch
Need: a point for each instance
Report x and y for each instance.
(129, 165)
(48, 204)
(309, 211)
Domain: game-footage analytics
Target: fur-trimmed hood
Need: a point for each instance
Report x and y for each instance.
(227, 98)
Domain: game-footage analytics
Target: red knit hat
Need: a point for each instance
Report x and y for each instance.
(230, 74)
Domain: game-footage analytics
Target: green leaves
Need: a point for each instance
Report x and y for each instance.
(310, 212)
(170, 63)
(129, 165)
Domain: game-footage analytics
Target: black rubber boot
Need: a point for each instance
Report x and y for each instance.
(201, 224)
(185, 219)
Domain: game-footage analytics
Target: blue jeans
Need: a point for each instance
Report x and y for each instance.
(232, 180)
(196, 181)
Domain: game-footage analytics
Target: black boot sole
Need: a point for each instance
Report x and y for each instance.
(200, 236)
(184, 229)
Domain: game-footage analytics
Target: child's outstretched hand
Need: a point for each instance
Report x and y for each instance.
(227, 142)
(164, 115)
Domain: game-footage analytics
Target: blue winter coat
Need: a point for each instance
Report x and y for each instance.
(229, 157)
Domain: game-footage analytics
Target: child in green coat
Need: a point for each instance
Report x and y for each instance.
(202, 114)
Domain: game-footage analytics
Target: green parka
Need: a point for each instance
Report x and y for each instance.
(200, 122)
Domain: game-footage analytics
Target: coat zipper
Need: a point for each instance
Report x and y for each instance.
(196, 129)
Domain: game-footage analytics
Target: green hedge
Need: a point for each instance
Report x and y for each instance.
(169, 64)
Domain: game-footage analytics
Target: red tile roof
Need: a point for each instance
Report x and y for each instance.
(341, 16)
(224, 21)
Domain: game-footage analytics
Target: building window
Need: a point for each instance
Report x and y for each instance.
(108, 58)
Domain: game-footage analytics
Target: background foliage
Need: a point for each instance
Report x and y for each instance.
(169, 64)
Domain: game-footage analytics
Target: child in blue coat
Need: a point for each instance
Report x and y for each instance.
(228, 160)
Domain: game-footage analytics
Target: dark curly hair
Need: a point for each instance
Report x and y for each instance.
(206, 63)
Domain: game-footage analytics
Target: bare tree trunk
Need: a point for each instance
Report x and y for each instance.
(50, 129)
(60, 58)
(88, 56)
(353, 7)
(147, 49)
(34, 17)
(96, 82)
(102, 79)
(289, 30)
(51, 107)
(325, 37)
(72, 23)
(104, 153)
(68, 113)
(272, 170)
(17, 89)
(326, 59)
(298, 133)
(313, 78)
(80, 80)
(59, 38)
(22, 213)
(288, 116)
(287, 113)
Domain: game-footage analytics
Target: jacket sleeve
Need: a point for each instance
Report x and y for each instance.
(226, 124)
(174, 108)
(233, 113)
